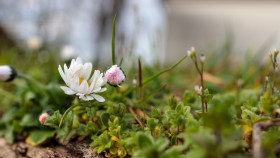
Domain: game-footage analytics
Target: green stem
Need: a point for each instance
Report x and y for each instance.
(153, 77)
(37, 85)
(113, 42)
(66, 112)
(121, 62)
(9, 95)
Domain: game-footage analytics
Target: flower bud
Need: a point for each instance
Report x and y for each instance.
(198, 89)
(43, 117)
(202, 58)
(7, 73)
(134, 82)
(276, 52)
(267, 78)
(191, 53)
(115, 76)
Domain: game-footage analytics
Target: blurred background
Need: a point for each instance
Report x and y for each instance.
(156, 30)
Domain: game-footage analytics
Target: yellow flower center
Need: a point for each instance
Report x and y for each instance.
(81, 80)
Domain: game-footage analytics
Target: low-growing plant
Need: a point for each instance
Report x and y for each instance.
(121, 115)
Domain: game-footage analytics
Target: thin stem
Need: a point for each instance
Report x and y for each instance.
(121, 62)
(274, 79)
(136, 118)
(140, 86)
(153, 77)
(265, 87)
(274, 64)
(140, 77)
(113, 42)
(201, 81)
(66, 112)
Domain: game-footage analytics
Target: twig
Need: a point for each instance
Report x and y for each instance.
(257, 136)
(136, 118)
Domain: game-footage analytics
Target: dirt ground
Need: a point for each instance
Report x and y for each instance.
(50, 150)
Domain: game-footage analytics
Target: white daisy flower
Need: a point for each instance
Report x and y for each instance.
(7, 73)
(115, 76)
(78, 81)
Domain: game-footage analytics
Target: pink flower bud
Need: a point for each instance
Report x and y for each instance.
(7, 73)
(115, 76)
(43, 117)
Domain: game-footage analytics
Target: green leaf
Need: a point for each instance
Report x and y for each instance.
(173, 140)
(92, 127)
(40, 136)
(105, 118)
(143, 141)
(189, 98)
(152, 123)
(179, 109)
(192, 126)
(102, 142)
(54, 120)
(30, 120)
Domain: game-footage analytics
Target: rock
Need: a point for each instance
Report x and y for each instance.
(50, 150)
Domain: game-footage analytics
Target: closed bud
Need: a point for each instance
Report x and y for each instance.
(276, 52)
(134, 82)
(202, 58)
(191, 53)
(267, 78)
(7, 73)
(115, 76)
(43, 117)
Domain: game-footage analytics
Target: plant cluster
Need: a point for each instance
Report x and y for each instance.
(141, 117)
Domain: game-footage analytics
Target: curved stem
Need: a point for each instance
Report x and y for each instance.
(66, 112)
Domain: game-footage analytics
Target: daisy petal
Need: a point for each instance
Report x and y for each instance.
(83, 87)
(61, 73)
(88, 98)
(67, 90)
(86, 71)
(98, 97)
(103, 90)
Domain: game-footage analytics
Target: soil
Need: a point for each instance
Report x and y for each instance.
(50, 150)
